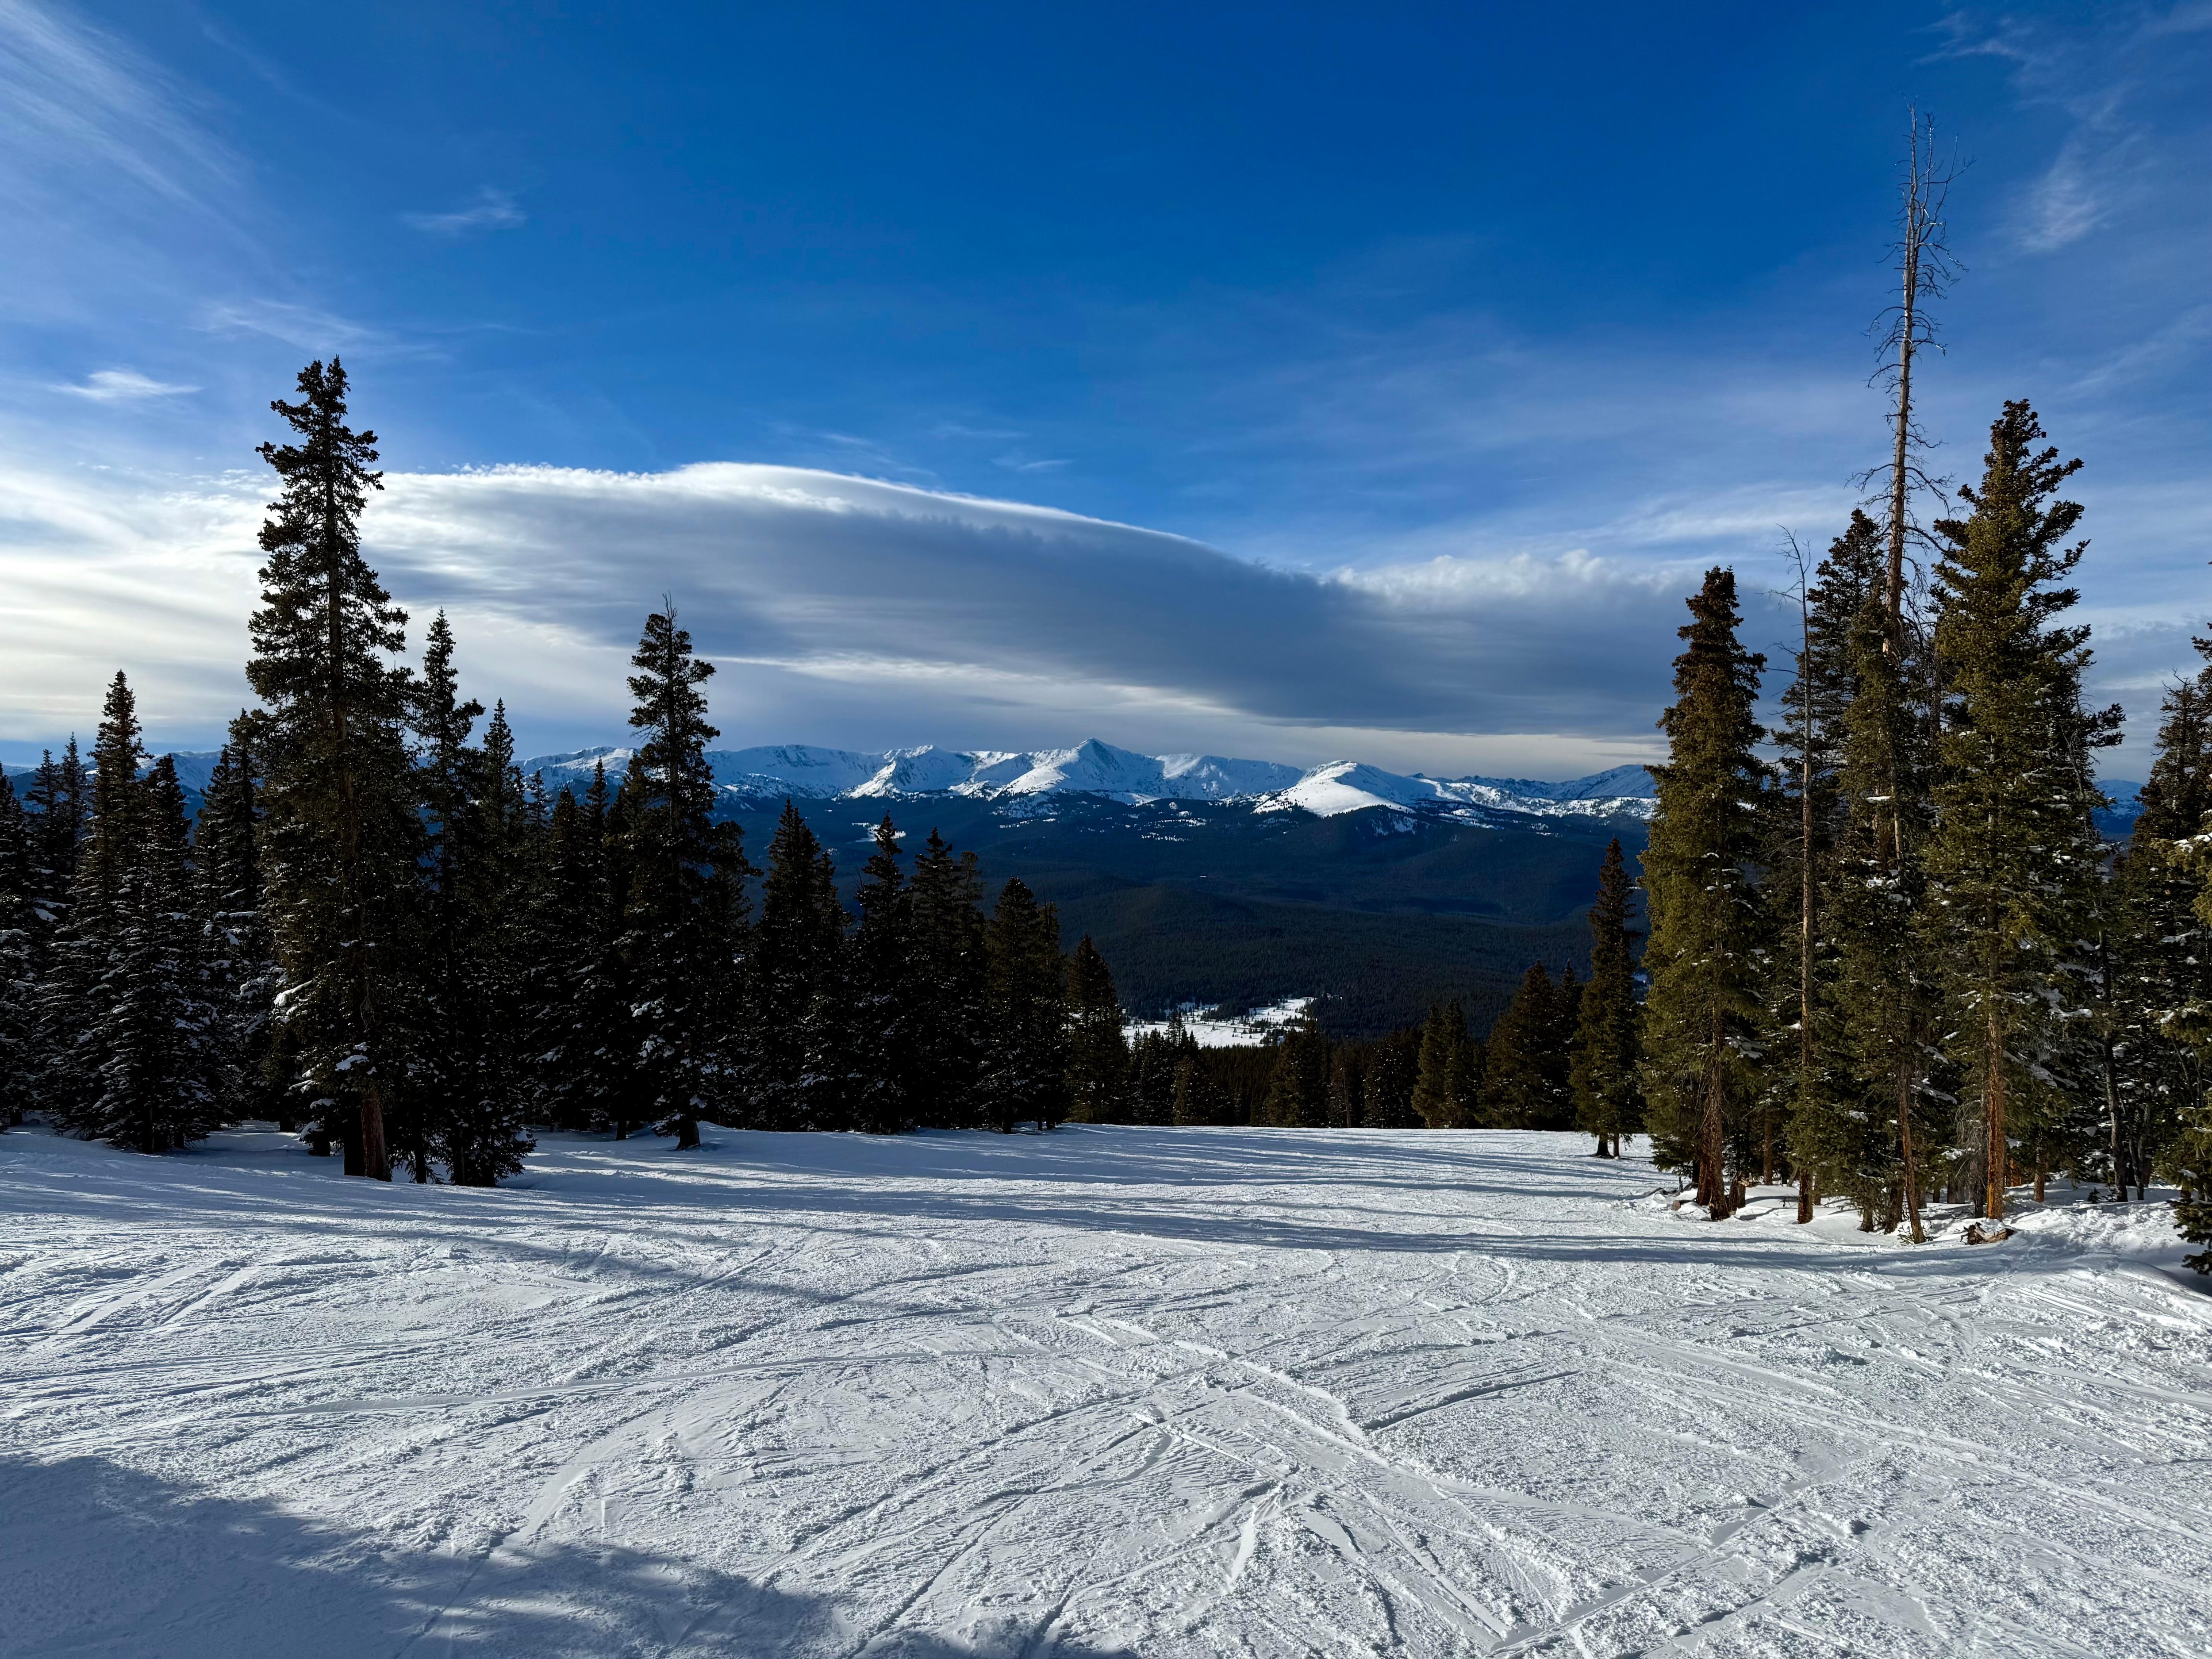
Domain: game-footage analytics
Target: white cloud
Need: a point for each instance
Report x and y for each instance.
(123, 386)
(303, 327)
(493, 209)
(849, 609)
(75, 102)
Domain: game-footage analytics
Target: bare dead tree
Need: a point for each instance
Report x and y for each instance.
(1926, 268)
(1802, 591)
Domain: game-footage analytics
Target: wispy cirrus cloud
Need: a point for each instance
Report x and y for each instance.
(75, 101)
(493, 209)
(108, 386)
(305, 328)
(2107, 74)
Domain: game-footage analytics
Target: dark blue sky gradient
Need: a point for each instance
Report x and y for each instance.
(1329, 287)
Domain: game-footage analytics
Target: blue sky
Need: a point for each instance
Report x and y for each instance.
(1338, 381)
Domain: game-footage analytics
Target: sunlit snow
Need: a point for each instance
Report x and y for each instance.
(1099, 1392)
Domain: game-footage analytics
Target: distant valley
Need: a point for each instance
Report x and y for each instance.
(1227, 882)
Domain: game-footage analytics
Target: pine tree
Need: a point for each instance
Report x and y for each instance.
(58, 807)
(1448, 1079)
(434, 1003)
(948, 936)
(340, 834)
(1607, 1044)
(2014, 857)
(1703, 1014)
(2157, 976)
(1025, 994)
(1807, 831)
(1523, 1081)
(800, 980)
(1098, 1051)
(1347, 1086)
(581, 1040)
(74, 999)
(885, 994)
(235, 940)
(152, 1045)
(1297, 1093)
(18, 965)
(477, 1128)
(683, 917)
(1154, 1060)
(1199, 1101)
(1863, 1124)
(1393, 1072)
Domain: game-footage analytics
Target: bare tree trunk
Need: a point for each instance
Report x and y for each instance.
(1905, 1149)
(1924, 268)
(1712, 1139)
(1993, 1112)
(376, 1156)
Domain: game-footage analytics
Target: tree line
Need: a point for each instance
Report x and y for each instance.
(1890, 958)
(1562, 1055)
(380, 934)
(1898, 963)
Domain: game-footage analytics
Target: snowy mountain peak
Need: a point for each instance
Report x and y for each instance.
(809, 771)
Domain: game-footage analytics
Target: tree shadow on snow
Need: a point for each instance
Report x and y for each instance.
(101, 1562)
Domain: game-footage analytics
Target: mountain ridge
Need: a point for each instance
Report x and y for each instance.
(1096, 767)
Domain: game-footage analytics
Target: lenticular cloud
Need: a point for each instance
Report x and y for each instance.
(849, 578)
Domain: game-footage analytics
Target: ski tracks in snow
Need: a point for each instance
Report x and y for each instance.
(1101, 1392)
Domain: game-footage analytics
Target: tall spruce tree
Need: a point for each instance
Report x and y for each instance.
(73, 1000)
(1025, 996)
(1347, 1085)
(684, 913)
(2014, 858)
(581, 1041)
(2157, 964)
(947, 894)
(1866, 1128)
(1704, 1011)
(1097, 1050)
(477, 1129)
(1603, 1067)
(799, 986)
(1153, 1059)
(235, 942)
(1297, 1093)
(152, 1045)
(883, 1001)
(19, 964)
(1387, 1089)
(57, 804)
(1524, 1063)
(1199, 1102)
(340, 835)
(435, 1005)
(1806, 832)
(1448, 1072)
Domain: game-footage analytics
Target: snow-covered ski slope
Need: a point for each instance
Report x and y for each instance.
(1107, 1391)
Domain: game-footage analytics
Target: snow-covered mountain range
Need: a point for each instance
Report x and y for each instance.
(1030, 779)
(805, 771)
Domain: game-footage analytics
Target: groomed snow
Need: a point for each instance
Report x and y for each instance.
(1107, 1391)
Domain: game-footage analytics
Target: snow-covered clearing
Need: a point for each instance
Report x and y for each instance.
(1104, 1391)
(1217, 1028)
